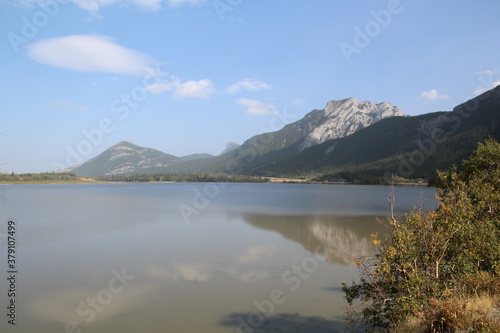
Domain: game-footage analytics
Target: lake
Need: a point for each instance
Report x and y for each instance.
(189, 257)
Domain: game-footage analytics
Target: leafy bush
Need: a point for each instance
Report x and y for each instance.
(432, 263)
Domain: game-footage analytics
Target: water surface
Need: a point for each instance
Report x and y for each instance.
(191, 257)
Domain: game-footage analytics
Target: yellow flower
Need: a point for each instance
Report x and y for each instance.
(392, 251)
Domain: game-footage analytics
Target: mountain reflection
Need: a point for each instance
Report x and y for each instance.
(340, 239)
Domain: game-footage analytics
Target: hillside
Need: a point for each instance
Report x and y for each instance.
(125, 157)
(336, 120)
(408, 146)
(347, 140)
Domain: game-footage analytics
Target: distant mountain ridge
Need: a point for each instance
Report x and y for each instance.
(125, 157)
(406, 146)
(337, 119)
(348, 139)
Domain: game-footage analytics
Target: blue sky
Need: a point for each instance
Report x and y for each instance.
(187, 76)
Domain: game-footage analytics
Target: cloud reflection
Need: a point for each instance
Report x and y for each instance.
(256, 253)
(199, 272)
(62, 307)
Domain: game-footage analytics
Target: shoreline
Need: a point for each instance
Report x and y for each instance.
(271, 181)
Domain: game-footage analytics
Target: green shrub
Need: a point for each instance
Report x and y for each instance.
(432, 262)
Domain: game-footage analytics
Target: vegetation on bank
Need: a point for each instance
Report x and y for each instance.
(35, 178)
(46, 177)
(183, 177)
(365, 177)
(438, 271)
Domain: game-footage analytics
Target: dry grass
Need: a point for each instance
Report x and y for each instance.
(472, 314)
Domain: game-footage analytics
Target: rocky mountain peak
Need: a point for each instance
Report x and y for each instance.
(230, 146)
(344, 117)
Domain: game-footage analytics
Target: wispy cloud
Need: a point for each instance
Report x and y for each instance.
(177, 3)
(258, 108)
(90, 53)
(299, 101)
(148, 4)
(94, 6)
(66, 105)
(190, 89)
(486, 72)
(432, 95)
(248, 84)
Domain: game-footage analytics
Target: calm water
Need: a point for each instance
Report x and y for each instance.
(188, 257)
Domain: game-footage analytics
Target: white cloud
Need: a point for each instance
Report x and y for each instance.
(255, 107)
(485, 79)
(249, 85)
(190, 89)
(195, 89)
(177, 3)
(433, 95)
(160, 87)
(482, 90)
(92, 6)
(89, 53)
